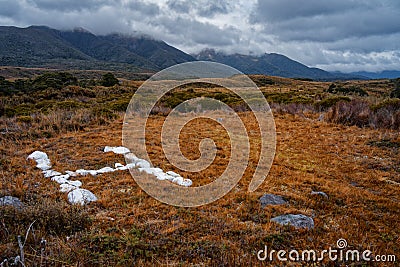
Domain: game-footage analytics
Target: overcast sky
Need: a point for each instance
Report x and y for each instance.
(345, 35)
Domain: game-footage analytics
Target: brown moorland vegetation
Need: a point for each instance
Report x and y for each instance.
(355, 164)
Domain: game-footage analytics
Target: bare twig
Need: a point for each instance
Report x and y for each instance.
(18, 260)
(21, 258)
(27, 232)
(43, 243)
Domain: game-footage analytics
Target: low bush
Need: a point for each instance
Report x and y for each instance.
(287, 98)
(25, 119)
(360, 113)
(387, 114)
(391, 104)
(396, 91)
(262, 80)
(385, 143)
(19, 110)
(56, 80)
(109, 80)
(118, 105)
(54, 122)
(352, 90)
(326, 103)
(42, 219)
(356, 112)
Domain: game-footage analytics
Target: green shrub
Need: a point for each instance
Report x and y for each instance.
(190, 86)
(69, 104)
(25, 119)
(281, 98)
(301, 99)
(287, 98)
(56, 80)
(352, 90)
(104, 113)
(176, 98)
(395, 94)
(262, 80)
(76, 91)
(23, 110)
(6, 87)
(9, 111)
(119, 105)
(387, 104)
(2, 108)
(109, 80)
(304, 79)
(45, 105)
(385, 143)
(330, 102)
(396, 91)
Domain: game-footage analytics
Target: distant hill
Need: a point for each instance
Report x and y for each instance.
(99, 48)
(387, 74)
(34, 46)
(271, 64)
(40, 46)
(157, 52)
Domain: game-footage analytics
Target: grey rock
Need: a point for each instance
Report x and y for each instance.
(319, 193)
(296, 220)
(11, 201)
(355, 184)
(271, 199)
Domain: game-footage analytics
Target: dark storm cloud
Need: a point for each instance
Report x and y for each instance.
(195, 32)
(147, 9)
(327, 21)
(66, 5)
(203, 8)
(282, 10)
(212, 8)
(334, 35)
(179, 6)
(8, 8)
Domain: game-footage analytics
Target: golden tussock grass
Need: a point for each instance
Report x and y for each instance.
(358, 168)
(128, 226)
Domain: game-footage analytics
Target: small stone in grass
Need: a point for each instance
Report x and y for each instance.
(295, 220)
(271, 199)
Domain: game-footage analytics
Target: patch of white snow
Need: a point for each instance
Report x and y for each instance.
(65, 188)
(81, 196)
(117, 150)
(50, 173)
(42, 160)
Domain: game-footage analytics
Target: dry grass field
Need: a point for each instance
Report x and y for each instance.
(357, 167)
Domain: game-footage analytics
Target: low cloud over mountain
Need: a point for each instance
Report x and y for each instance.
(334, 35)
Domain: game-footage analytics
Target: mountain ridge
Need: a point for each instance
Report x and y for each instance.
(271, 64)
(42, 46)
(38, 46)
(386, 74)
